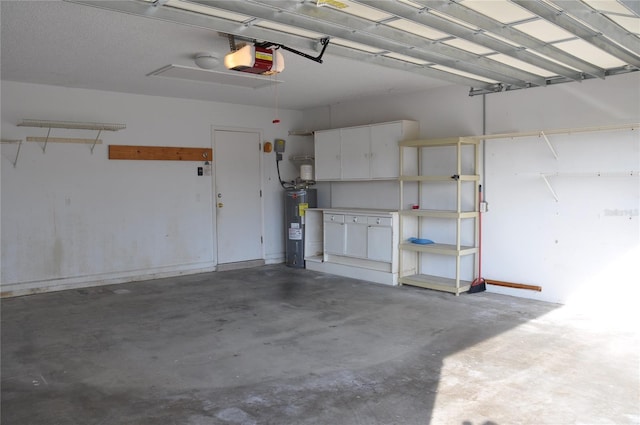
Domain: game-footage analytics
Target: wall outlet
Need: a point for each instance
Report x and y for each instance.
(484, 207)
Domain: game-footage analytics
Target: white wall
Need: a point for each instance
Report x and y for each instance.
(72, 218)
(69, 217)
(585, 244)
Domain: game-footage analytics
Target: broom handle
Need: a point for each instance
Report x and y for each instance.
(479, 233)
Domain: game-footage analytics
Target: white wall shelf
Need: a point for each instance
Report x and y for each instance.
(412, 220)
(540, 133)
(99, 127)
(300, 132)
(301, 159)
(440, 248)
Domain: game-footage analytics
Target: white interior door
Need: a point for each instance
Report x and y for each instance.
(237, 198)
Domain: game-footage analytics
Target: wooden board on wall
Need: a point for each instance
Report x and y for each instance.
(160, 153)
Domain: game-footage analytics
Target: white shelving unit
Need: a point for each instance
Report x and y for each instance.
(454, 173)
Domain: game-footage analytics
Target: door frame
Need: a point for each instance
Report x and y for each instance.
(214, 215)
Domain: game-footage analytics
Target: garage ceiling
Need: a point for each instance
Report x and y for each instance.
(375, 47)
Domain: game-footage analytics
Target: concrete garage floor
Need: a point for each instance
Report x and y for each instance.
(274, 345)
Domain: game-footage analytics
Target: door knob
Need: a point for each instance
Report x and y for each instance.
(220, 205)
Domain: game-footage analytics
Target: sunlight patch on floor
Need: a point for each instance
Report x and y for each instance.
(609, 298)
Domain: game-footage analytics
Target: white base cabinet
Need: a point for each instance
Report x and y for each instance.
(357, 243)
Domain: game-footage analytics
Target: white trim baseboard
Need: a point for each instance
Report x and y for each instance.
(42, 286)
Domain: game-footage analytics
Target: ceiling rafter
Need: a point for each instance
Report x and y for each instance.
(463, 13)
(600, 22)
(260, 33)
(407, 66)
(478, 37)
(632, 5)
(200, 21)
(490, 47)
(337, 24)
(565, 21)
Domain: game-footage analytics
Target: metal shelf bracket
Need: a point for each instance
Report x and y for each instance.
(96, 140)
(545, 177)
(44, 148)
(19, 143)
(546, 139)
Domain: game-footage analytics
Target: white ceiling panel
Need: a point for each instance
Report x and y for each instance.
(406, 58)
(356, 46)
(544, 31)
(608, 6)
(453, 19)
(500, 10)
(554, 61)
(594, 55)
(417, 29)
(468, 46)
(205, 10)
(411, 3)
(514, 43)
(356, 9)
(631, 24)
(516, 63)
(463, 74)
(289, 29)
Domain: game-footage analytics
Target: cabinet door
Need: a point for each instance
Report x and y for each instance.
(355, 152)
(356, 236)
(379, 243)
(334, 238)
(385, 151)
(327, 154)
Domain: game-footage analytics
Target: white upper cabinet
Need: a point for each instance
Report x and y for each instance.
(355, 143)
(384, 148)
(327, 155)
(368, 152)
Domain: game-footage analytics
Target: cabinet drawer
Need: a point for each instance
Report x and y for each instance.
(379, 221)
(334, 218)
(357, 219)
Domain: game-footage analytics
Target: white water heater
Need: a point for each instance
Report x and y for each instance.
(306, 172)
